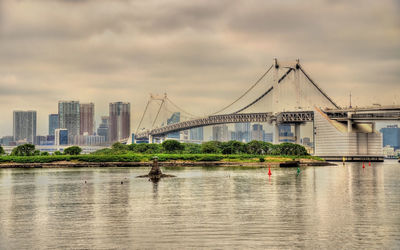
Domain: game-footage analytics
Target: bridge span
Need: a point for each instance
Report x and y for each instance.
(292, 97)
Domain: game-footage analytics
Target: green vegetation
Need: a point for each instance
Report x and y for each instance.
(169, 150)
(74, 150)
(2, 152)
(24, 150)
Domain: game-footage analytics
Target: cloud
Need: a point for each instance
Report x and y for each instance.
(203, 53)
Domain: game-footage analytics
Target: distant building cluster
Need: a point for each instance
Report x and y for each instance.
(73, 124)
(391, 141)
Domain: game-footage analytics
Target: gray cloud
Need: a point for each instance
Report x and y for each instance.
(203, 53)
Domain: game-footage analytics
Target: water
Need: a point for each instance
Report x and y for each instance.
(323, 207)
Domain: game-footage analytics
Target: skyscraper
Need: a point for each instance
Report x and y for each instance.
(103, 129)
(242, 131)
(197, 134)
(175, 118)
(24, 126)
(391, 136)
(61, 136)
(220, 133)
(86, 118)
(53, 123)
(257, 132)
(120, 120)
(69, 117)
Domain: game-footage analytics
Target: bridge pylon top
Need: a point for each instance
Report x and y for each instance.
(294, 64)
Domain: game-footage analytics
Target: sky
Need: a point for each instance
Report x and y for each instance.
(204, 54)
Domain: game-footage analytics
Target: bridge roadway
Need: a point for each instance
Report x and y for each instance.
(353, 114)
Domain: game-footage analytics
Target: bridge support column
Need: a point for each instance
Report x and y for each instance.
(297, 132)
(276, 133)
(150, 139)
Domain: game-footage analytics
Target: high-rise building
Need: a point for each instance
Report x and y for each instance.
(61, 136)
(257, 132)
(286, 134)
(69, 117)
(86, 111)
(103, 129)
(24, 126)
(268, 137)
(391, 136)
(242, 132)
(120, 121)
(220, 133)
(53, 123)
(175, 118)
(197, 134)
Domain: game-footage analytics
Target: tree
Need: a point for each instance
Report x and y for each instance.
(24, 150)
(57, 153)
(211, 147)
(147, 148)
(119, 147)
(172, 146)
(73, 150)
(45, 153)
(255, 148)
(192, 148)
(2, 152)
(233, 147)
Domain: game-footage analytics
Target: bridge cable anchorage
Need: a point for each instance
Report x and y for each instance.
(141, 120)
(245, 93)
(255, 101)
(319, 89)
(195, 116)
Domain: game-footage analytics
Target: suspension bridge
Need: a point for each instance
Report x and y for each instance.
(284, 94)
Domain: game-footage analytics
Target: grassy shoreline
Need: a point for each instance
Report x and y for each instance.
(238, 158)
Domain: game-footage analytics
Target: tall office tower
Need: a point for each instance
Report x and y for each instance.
(268, 137)
(220, 133)
(61, 136)
(197, 134)
(391, 136)
(24, 126)
(242, 131)
(175, 118)
(286, 134)
(53, 123)
(120, 120)
(86, 118)
(69, 117)
(257, 132)
(103, 129)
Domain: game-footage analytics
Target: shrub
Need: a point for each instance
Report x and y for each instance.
(261, 159)
(23, 150)
(45, 153)
(211, 147)
(2, 152)
(171, 146)
(57, 153)
(192, 148)
(73, 150)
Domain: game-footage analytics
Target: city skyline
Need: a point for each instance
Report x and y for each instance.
(195, 52)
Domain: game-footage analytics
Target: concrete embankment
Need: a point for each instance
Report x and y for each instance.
(69, 164)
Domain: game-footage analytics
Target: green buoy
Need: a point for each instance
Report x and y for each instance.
(298, 171)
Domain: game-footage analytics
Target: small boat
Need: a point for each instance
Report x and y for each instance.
(289, 164)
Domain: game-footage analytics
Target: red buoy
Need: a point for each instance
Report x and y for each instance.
(363, 165)
(369, 164)
(269, 171)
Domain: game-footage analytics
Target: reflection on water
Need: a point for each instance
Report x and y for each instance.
(322, 207)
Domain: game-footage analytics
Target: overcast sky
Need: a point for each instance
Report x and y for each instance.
(202, 53)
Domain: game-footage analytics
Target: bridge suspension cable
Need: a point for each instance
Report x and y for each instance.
(183, 111)
(245, 93)
(255, 101)
(319, 89)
